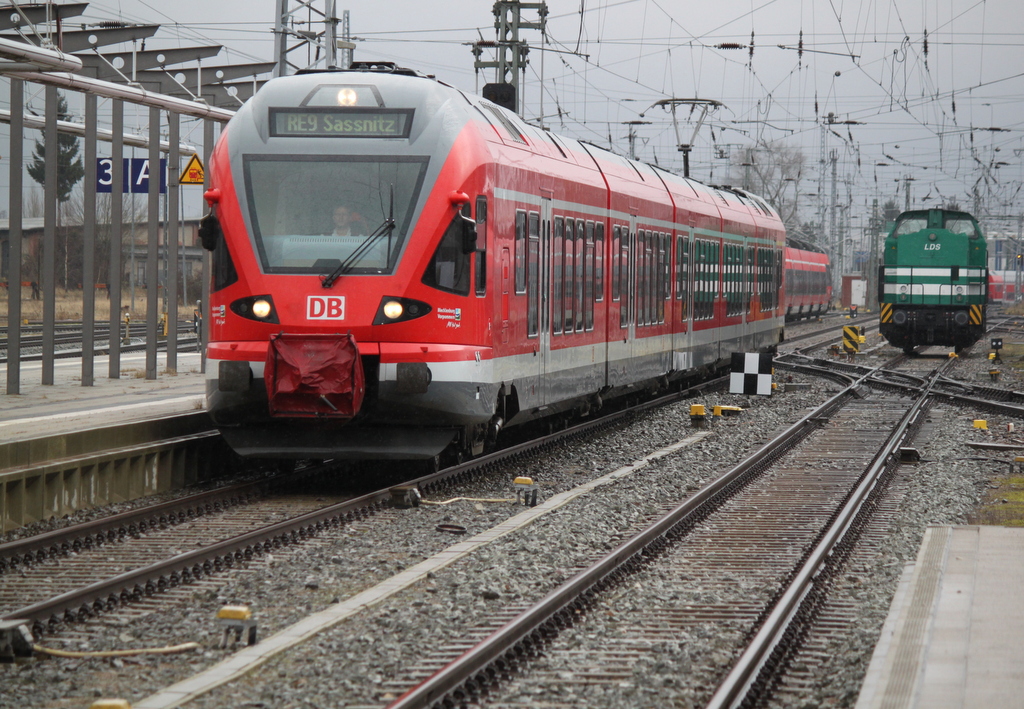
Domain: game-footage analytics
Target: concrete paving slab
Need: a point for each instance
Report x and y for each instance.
(953, 636)
(66, 405)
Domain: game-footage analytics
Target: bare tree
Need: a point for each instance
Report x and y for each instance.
(774, 171)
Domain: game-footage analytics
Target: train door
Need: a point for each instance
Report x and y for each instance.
(544, 280)
(506, 277)
(631, 289)
(682, 340)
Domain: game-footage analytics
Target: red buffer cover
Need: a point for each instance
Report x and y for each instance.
(314, 375)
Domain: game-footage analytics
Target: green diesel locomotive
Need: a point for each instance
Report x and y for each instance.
(933, 281)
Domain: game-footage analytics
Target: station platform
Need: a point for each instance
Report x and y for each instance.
(954, 637)
(67, 406)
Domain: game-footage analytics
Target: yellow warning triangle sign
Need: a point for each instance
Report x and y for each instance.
(193, 173)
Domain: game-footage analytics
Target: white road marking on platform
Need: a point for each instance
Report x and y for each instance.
(249, 658)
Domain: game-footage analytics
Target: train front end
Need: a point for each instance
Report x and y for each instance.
(933, 285)
(342, 317)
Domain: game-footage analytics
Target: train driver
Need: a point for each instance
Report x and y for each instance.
(347, 222)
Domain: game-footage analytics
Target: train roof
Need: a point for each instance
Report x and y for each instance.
(384, 86)
(795, 243)
(935, 217)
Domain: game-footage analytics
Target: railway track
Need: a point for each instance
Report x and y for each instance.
(762, 544)
(605, 675)
(151, 550)
(68, 340)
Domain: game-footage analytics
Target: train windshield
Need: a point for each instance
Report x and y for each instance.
(910, 225)
(311, 213)
(962, 225)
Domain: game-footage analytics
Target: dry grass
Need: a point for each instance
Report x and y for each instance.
(68, 306)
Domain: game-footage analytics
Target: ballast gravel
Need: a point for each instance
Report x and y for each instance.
(354, 663)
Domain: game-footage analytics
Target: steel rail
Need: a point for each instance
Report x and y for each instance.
(568, 596)
(108, 593)
(38, 547)
(732, 690)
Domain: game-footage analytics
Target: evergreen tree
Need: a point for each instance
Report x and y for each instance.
(69, 165)
(69, 171)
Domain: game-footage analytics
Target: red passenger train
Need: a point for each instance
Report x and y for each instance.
(808, 280)
(402, 268)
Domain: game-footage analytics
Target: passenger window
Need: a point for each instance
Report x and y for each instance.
(580, 270)
(556, 270)
(570, 278)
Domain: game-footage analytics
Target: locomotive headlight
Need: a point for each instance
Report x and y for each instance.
(347, 97)
(394, 309)
(959, 290)
(903, 289)
(261, 308)
(256, 307)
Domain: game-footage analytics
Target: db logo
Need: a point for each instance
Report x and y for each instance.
(325, 307)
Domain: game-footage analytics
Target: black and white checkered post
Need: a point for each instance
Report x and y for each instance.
(751, 373)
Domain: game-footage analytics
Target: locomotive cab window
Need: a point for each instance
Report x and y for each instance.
(310, 214)
(481, 245)
(448, 269)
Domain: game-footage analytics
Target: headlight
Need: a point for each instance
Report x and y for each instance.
(261, 308)
(347, 97)
(256, 307)
(393, 309)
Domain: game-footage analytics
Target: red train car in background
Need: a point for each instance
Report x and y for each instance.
(1003, 286)
(808, 280)
(997, 288)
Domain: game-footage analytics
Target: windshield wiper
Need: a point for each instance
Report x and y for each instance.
(385, 229)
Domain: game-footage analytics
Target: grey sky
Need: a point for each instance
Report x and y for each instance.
(924, 108)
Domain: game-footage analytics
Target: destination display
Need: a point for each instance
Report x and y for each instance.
(330, 122)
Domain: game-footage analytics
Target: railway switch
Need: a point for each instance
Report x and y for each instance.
(110, 704)
(526, 491)
(994, 373)
(726, 410)
(236, 620)
(1018, 463)
(981, 424)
